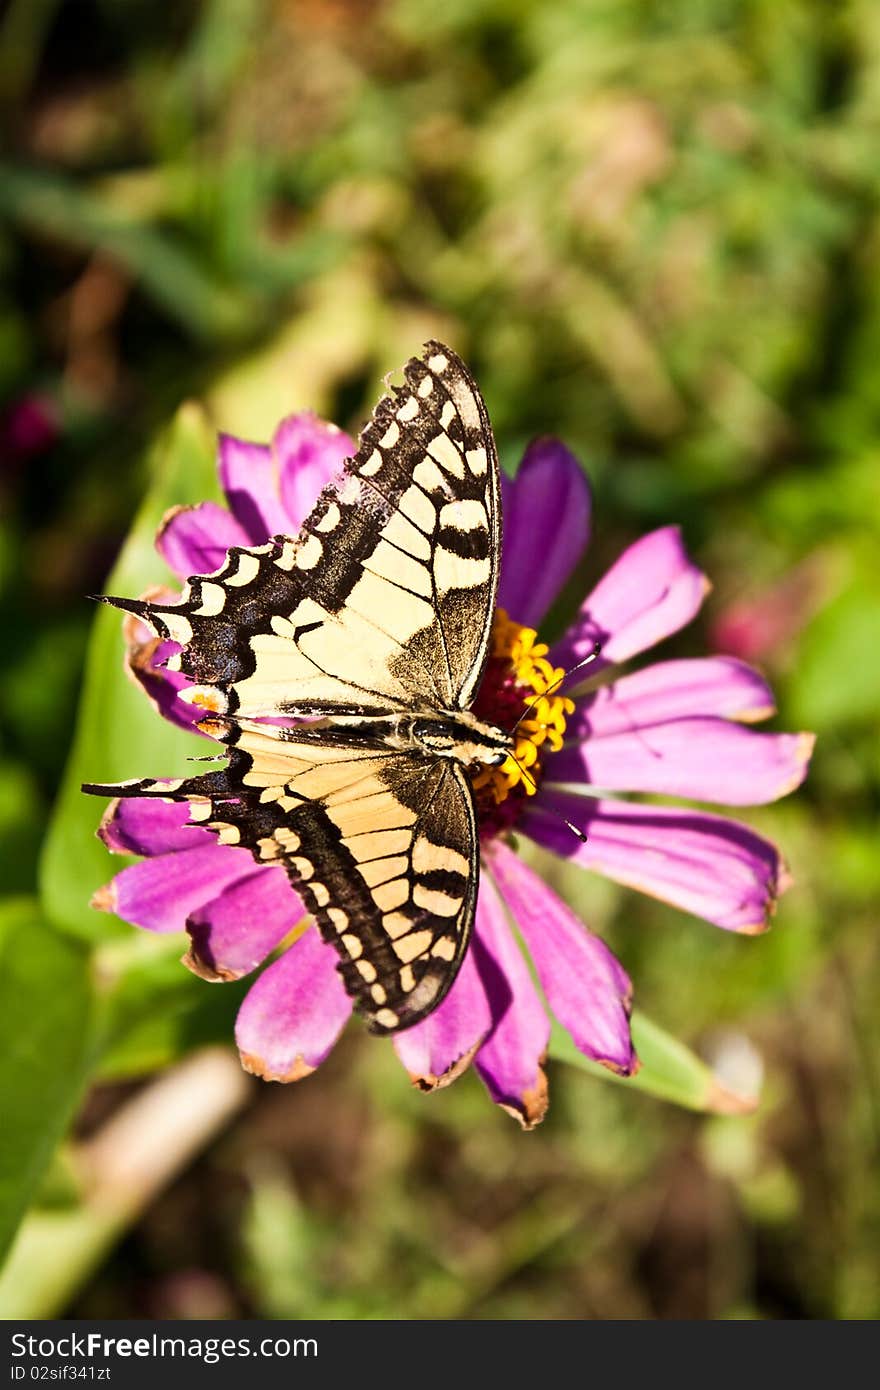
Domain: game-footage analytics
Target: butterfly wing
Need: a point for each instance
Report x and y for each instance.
(383, 603)
(385, 599)
(382, 848)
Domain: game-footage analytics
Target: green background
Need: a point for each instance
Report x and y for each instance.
(652, 229)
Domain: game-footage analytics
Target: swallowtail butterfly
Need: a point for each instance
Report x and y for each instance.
(338, 667)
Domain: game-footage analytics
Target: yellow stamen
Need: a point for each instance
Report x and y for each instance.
(528, 676)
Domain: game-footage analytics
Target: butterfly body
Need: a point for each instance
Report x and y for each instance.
(455, 734)
(338, 668)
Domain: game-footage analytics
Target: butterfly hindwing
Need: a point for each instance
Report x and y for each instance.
(380, 847)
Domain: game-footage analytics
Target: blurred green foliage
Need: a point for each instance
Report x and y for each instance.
(652, 229)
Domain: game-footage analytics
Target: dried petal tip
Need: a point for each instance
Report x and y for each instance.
(105, 831)
(104, 900)
(803, 752)
(428, 1081)
(629, 1068)
(214, 975)
(756, 928)
(533, 1103)
(257, 1067)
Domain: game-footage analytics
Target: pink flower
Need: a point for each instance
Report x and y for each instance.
(677, 728)
(29, 427)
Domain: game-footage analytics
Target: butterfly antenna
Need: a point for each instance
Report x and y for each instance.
(527, 777)
(587, 661)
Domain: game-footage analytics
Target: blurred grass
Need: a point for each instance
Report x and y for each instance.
(653, 230)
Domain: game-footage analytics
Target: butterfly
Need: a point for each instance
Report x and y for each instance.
(338, 668)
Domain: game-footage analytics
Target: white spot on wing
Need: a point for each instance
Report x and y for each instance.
(445, 452)
(245, 572)
(388, 896)
(349, 489)
(284, 561)
(180, 628)
(429, 477)
(432, 900)
(427, 856)
(454, 572)
(409, 410)
(412, 945)
(213, 597)
(467, 514)
(308, 554)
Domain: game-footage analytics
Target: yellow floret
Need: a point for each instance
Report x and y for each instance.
(544, 728)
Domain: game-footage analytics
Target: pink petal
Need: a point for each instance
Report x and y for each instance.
(271, 489)
(145, 659)
(713, 867)
(652, 590)
(706, 759)
(439, 1049)
(194, 540)
(309, 454)
(146, 825)
(546, 529)
(249, 477)
(510, 1060)
(293, 1014)
(673, 690)
(586, 987)
(234, 932)
(161, 893)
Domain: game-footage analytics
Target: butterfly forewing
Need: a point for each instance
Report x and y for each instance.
(382, 605)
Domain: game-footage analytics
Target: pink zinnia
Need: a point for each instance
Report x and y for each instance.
(674, 728)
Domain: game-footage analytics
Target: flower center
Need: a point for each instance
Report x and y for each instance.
(517, 676)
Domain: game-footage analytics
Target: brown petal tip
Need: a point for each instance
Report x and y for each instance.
(630, 1069)
(103, 830)
(804, 752)
(167, 518)
(428, 1081)
(215, 975)
(754, 928)
(756, 714)
(533, 1103)
(257, 1067)
(105, 898)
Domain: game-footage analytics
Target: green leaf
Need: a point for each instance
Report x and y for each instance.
(118, 733)
(669, 1070)
(45, 1042)
(154, 1011)
(841, 641)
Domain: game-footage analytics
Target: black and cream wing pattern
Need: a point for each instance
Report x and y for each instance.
(337, 667)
